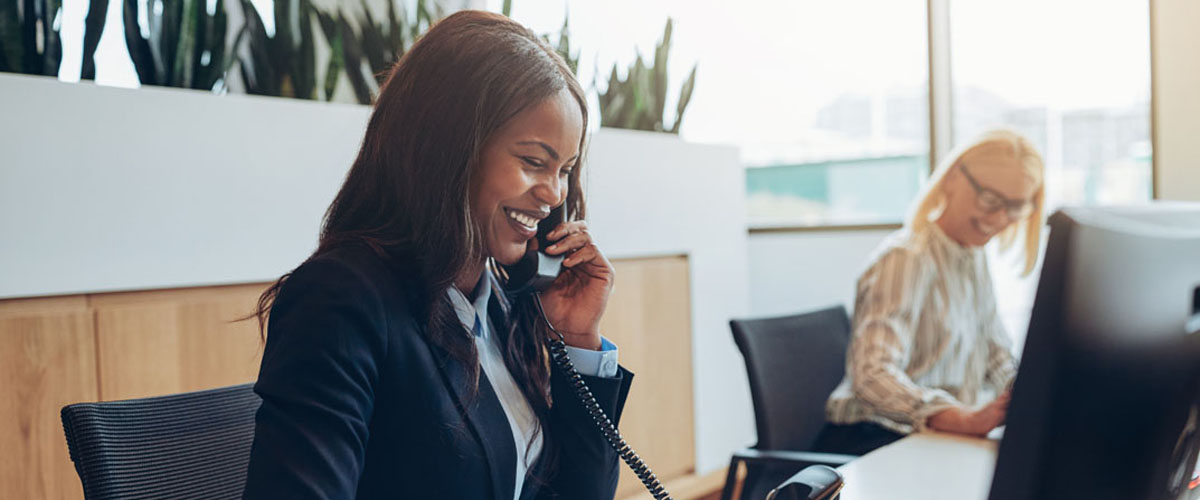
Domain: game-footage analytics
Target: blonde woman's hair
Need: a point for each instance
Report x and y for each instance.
(995, 143)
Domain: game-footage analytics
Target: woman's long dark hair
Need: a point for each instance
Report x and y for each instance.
(407, 196)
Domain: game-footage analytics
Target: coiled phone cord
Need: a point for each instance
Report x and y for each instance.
(558, 352)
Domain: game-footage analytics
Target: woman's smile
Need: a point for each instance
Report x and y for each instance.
(522, 222)
(985, 231)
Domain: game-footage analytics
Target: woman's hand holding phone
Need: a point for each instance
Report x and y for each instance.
(576, 301)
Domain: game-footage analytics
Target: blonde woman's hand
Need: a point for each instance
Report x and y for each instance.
(973, 423)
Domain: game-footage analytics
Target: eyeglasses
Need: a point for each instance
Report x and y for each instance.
(991, 201)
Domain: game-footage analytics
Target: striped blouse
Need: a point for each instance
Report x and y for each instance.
(926, 334)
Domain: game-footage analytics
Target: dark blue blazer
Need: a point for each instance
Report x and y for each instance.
(356, 404)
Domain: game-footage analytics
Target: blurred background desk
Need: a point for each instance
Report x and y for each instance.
(926, 466)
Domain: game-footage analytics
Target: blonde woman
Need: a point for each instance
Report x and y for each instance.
(927, 340)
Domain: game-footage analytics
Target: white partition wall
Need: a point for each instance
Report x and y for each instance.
(793, 272)
(105, 189)
(653, 194)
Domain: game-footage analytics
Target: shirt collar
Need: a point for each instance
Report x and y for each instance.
(466, 309)
(951, 247)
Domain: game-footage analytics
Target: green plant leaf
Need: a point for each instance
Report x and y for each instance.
(438, 13)
(284, 10)
(232, 58)
(685, 97)
(396, 29)
(606, 98)
(354, 60)
(258, 72)
(31, 61)
(139, 47)
(641, 118)
(185, 50)
(305, 72)
(328, 25)
(219, 52)
(424, 20)
(93, 27)
(374, 47)
(614, 114)
(281, 48)
(51, 43)
(564, 47)
(202, 70)
(169, 28)
(11, 47)
(333, 70)
(639, 101)
(658, 84)
(4, 66)
(156, 40)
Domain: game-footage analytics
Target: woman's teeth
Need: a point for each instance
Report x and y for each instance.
(525, 220)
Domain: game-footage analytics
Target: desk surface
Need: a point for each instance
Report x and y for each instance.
(925, 466)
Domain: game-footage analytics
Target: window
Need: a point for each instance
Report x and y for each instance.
(1079, 90)
(827, 101)
(834, 120)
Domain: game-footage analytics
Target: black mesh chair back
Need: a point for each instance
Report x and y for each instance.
(793, 363)
(182, 446)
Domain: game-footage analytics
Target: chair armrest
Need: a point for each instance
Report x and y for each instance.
(786, 457)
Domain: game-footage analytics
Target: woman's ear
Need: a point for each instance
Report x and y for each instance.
(949, 183)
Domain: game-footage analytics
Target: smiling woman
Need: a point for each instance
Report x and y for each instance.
(927, 342)
(524, 175)
(395, 363)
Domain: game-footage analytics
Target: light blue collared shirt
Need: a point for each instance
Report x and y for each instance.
(522, 420)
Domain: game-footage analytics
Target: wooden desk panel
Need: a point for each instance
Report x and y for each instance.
(56, 351)
(47, 361)
(649, 318)
(925, 466)
(169, 341)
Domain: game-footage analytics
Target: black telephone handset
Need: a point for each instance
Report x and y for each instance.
(534, 273)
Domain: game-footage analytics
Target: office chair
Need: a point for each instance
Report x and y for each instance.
(183, 446)
(793, 363)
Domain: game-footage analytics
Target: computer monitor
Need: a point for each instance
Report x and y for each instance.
(1107, 397)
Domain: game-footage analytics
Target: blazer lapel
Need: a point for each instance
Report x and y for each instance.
(487, 421)
(499, 309)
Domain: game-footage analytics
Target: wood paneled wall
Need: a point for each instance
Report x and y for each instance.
(649, 319)
(47, 360)
(61, 350)
(162, 342)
